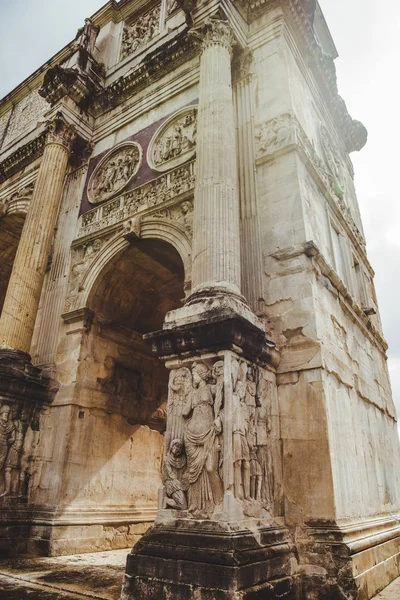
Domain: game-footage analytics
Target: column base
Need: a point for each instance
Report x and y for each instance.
(211, 561)
(352, 560)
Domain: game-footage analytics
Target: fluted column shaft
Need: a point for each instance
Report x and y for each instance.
(216, 239)
(251, 248)
(23, 293)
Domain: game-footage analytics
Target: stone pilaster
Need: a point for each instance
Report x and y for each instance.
(250, 233)
(216, 240)
(23, 293)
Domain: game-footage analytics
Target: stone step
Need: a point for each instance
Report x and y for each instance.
(391, 592)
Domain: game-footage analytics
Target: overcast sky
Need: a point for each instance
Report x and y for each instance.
(367, 36)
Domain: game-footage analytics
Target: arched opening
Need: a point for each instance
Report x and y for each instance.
(121, 390)
(10, 232)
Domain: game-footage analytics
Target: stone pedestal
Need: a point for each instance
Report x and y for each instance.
(211, 561)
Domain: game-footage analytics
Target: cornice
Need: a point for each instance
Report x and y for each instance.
(155, 65)
(22, 157)
(300, 15)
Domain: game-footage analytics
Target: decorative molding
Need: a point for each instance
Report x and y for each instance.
(141, 32)
(17, 202)
(155, 65)
(114, 172)
(22, 157)
(79, 85)
(356, 312)
(165, 188)
(174, 142)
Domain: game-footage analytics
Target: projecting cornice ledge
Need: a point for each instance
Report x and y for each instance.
(22, 157)
(156, 64)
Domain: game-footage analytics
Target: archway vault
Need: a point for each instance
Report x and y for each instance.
(164, 230)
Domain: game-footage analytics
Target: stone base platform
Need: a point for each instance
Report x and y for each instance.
(211, 561)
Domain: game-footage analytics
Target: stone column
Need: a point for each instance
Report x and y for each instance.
(216, 235)
(23, 293)
(251, 247)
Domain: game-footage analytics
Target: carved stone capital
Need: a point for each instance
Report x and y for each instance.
(59, 131)
(215, 32)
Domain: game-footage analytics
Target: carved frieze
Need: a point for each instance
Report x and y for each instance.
(175, 141)
(114, 172)
(159, 191)
(196, 446)
(15, 421)
(140, 32)
(25, 116)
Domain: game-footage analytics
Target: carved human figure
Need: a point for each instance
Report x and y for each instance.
(205, 490)
(13, 461)
(241, 451)
(86, 36)
(175, 479)
(180, 387)
(218, 394)
(263, 447)
(7, 434)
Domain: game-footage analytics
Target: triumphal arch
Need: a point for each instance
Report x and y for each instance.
(190, 338)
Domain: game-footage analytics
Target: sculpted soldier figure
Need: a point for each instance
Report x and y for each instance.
(241, 452)
(7, 433)
(13, 460)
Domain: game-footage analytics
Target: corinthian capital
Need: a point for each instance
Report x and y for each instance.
(215, 32)
(59, 131)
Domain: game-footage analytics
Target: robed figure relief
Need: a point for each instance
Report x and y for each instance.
(192, 441)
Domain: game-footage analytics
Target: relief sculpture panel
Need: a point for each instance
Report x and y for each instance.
(198, 420)
(114, 172)
(141, 32)
(15, 420)
(175, 141)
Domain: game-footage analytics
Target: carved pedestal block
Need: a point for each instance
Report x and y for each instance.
(211, 561)
(218, 532)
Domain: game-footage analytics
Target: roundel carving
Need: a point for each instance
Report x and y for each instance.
(175, 141)
(114, 172)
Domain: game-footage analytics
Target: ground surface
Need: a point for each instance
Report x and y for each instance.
(98, 575)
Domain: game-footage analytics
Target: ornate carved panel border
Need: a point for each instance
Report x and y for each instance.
(175, 141)
(114, 172)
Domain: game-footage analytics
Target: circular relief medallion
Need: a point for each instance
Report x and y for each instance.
(175, 141)
(114, 172)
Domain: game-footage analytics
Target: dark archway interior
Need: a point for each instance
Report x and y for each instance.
(140, 287)
(121, 387)
(10, 233)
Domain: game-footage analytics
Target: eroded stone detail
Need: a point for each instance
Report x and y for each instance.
(15, 420)
(25, 116)
(175, 142)
(141, 32)
(333, 163)
(82, 257)
(196, 437)
(161, 190)
(114, 172)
